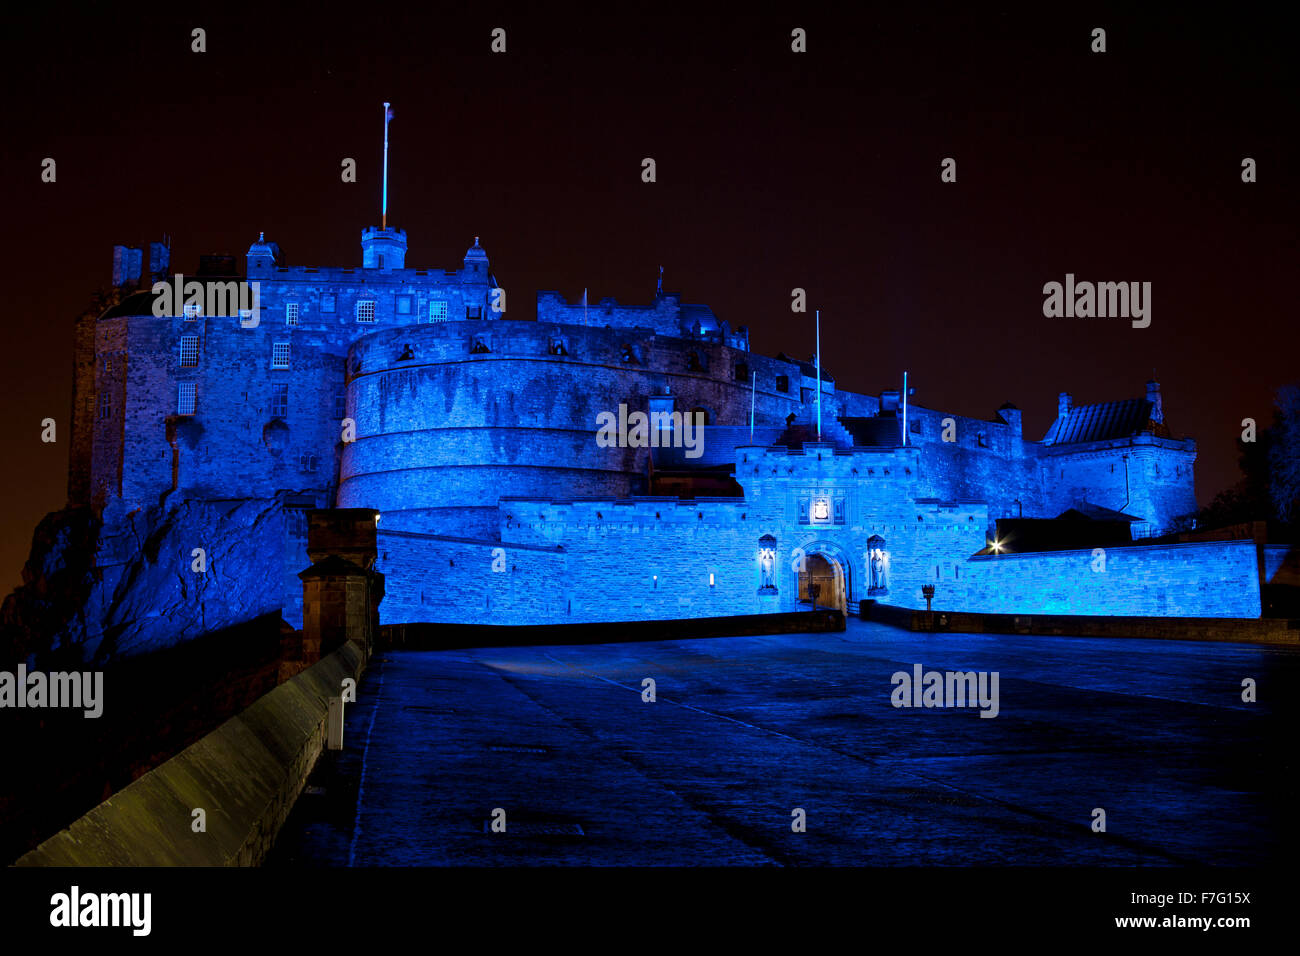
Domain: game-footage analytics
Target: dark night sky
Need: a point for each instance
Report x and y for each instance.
(775, 170)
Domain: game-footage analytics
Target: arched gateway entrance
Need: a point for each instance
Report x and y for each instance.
(825, 576)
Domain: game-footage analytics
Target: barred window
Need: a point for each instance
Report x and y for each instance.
(340, 403)
(291, 313)
(327, 303)
(105, 405)
(189, 351)
(366, 310)
(280, 355)
(191, 311)
(280, 401)
(185, 402)
(438, 310)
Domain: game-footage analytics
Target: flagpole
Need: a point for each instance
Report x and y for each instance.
(753, 388)
(904, 408)
(819, 374)
(383, 220)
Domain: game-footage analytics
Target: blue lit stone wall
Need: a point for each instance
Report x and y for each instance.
(444, 434)
(1203, 579)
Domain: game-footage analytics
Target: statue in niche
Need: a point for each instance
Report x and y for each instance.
(876, 564)
(767, 562)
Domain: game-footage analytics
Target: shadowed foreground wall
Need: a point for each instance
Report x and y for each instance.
(246, 775)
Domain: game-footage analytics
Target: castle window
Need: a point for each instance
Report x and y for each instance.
(983, 440)
(280, 401)
(105, 405)
(191, 311)
(340, 403)
(438, 310)
(307, 463)
(280, 355)
(189, 351)
(915, 426)
(366, 310)
(783, 383)
(403, 305)
(742, 372)
(327, 303)
(108, 364)
(185, 400)
(291, 313)
(474, 312)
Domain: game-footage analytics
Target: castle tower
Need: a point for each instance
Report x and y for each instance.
(383, 248)
(262, 255)
(476, 262)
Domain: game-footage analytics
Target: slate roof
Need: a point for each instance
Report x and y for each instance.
(1086, 509)
(1100, 422)
(138, 303)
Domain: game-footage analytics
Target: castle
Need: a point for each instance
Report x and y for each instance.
(473, 437)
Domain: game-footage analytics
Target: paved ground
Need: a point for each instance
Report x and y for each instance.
(747, 729)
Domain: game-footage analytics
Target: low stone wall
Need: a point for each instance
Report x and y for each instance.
(448, 636)
(1235, 630)
(245, 775)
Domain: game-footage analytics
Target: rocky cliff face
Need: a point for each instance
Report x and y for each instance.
(99, 588)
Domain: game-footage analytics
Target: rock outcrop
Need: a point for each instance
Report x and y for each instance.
(124, 583)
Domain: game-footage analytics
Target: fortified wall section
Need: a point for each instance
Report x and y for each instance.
(1201, 579)
(1148, 477)
(869, 510)
(256, 428)
(454, 580)
(451, 417)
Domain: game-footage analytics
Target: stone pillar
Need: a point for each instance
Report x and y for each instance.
(336, 606)
(341, 590)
